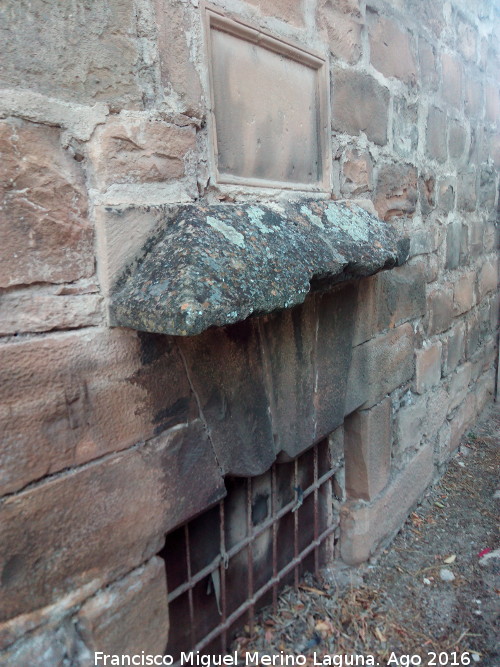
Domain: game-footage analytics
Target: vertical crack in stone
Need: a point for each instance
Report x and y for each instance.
(200, 410)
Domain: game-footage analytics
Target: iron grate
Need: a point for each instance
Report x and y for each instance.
(231, 560)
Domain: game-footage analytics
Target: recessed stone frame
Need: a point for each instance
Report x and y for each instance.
(269, 108)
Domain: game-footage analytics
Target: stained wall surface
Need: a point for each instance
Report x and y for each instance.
(105, 431)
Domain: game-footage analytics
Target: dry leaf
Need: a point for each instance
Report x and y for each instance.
(450, 559)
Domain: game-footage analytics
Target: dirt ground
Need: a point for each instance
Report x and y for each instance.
(435, 590)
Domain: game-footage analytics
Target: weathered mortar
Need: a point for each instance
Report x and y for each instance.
(104, 104)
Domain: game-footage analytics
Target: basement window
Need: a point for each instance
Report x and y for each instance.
(225, 564)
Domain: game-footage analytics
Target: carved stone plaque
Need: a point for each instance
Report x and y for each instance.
(269, 108)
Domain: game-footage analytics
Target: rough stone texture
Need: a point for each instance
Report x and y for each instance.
(391, 51)
(411, 420)
(457, 137)
(292, 12)
(436, 134)
(427, 60)
(44, 232)
(336, 313)
(462, 419)
(463, 295)
(379, 366)
(452, 80)
(226, 372)
(473, 94)
(405, 128)
(466, 190)
(139, 150)
(459, 385)
(367, 444)
(357, 172)
(70, 398)
(86, 53)
(487, 280)
(453, 242)
(364, 527)
(428, 367)
(455, 348)
(101, 521)
(129, 616)
(396, 191)
(179, 77)
(389, 299)
(439, 308)
(57, 645)
(359, 104)
(216, 265)
(49, 308)
(343, 31)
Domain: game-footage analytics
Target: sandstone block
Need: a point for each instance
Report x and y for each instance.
(430, 14)
(129, 616)
(46, 309)
(391, 51)
(473, 94)
(411, 420)
(428, 70)
(335, 328)
(463, 295)
(360, 104)
(139, 150)
(291, 12)
(363, 527)
(446, 194)
(179, 77)
(288, 341)
(428, 367)
(396, 190)
(492, 103)
(457, 138)
(45, 235)
(427, 192)
(101, 521)
(357, 172)
(226, 370)
(453, 244)
(437, 410)
(436, 134)
(467, 40)
(367, 446)
(70, 398)
(485, 389)
(487, 187)
(379, 366)
(452, 79)
(405, 127)
(439, 308)
(343, 31)
(462, 419)
(85, 54)
(487, 280)
(390, 298)
(459, 385)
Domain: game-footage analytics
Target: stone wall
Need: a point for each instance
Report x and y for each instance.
(104, 104)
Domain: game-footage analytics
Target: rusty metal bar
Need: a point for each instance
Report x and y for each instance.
(251, 538)
(316, 513)
(222, 570)
(274, 503)
(250, 603)
(300, 500)
(208, 569)
(190, 591)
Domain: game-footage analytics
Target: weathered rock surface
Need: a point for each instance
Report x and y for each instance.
(215, 265)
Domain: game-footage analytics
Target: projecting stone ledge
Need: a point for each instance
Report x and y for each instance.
(215, 265)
